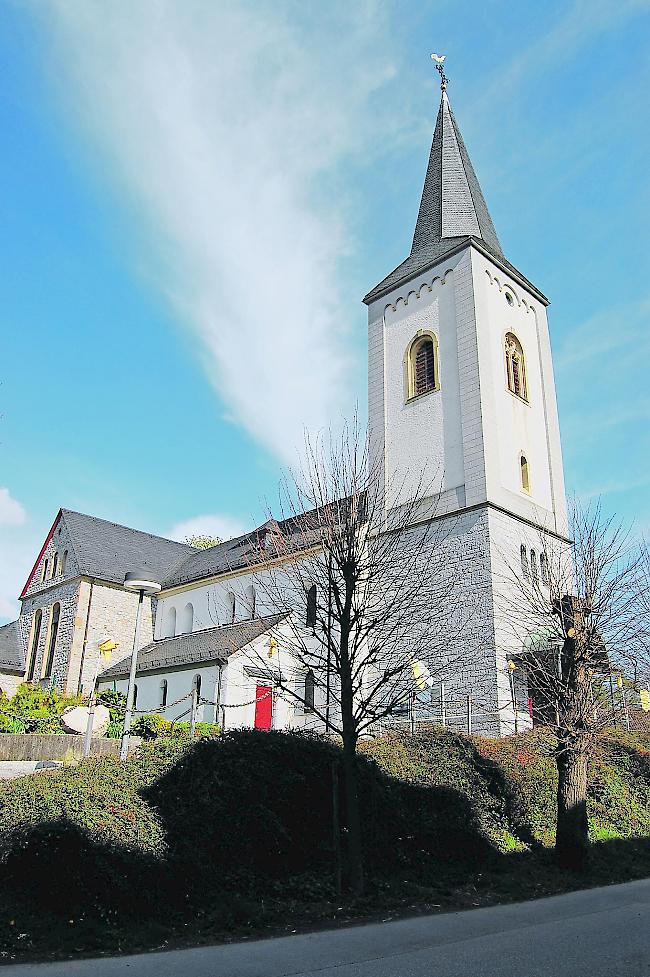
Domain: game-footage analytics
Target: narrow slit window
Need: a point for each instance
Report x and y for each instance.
(524, 561)
(163, 693)
(533, 566)
(51, 645)
(311, 606)
(38, 618)
(525, 473)
(310, 686)
(543, 568)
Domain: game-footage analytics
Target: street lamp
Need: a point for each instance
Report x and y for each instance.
(140, 582)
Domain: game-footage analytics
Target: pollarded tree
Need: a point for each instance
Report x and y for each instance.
(578, 617)
(369, 594)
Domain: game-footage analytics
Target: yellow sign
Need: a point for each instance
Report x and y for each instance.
(273, 647)
(511, 666)
(108, 647)
(422, 675)
(644, 695)
(619, 681)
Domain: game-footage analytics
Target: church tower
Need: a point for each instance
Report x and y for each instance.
(461, 386)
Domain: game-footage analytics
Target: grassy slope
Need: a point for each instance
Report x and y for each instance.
(450, 822)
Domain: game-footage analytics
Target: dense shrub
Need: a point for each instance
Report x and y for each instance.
(246, 806)
(52, 823)
(115, 702)
(150, 727)
(34, 710)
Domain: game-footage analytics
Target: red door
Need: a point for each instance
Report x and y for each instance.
(263, 707)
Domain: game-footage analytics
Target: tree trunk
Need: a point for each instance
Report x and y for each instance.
(572, 834)
(354, 860)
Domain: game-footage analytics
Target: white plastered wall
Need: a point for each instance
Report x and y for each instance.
(512, 427)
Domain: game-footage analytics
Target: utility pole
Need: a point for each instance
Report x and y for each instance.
(88, 735)
(195, 702)
(141, 583)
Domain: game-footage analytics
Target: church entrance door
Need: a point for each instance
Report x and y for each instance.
(263, 707)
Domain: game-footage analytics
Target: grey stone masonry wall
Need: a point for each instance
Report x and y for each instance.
(59, 553)
(462, 636)
(66, 594)
(91, 612)
(112, 616)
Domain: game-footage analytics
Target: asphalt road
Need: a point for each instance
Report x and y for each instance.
(597, 933)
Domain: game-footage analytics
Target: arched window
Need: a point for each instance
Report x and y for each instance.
(310, 685)
(533, 566)
(525, 473)
(45, 566)
(422, 365)
(232, 607)
(163, 693)
(170, 623)
(311, 606)
(135, 696)
(524, 561)
(55, 565)
(543, 568)
(64, 560)
(51, 644)
(196, 684)
(250, 601)
(36, 637)
(515, 367)
(186, 619)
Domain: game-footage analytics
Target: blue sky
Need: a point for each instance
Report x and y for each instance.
(196, 196)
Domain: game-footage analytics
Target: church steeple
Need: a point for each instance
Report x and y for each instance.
(452, 211)
(452, 204)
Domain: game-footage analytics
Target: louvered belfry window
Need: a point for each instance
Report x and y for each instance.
(516, 367)
(425, 368)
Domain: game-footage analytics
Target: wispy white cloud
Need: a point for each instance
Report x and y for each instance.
(223, 124)
(581, 23)
(17, 552)
(11, 511)
(216, 524)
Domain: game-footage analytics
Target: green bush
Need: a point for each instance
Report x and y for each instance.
(53, 826)
(247, 806)
(35, 710)
(115, 702)
(150, 727)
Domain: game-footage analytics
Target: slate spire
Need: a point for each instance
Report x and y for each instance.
(452, 208)
(452, 204)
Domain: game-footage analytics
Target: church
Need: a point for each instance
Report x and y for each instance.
(460, 380)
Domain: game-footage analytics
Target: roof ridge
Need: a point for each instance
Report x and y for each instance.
(131, 529)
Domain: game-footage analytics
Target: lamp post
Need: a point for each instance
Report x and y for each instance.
(140, 582)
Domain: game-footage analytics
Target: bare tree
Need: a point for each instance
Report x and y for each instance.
(362, 573)
(578, 618)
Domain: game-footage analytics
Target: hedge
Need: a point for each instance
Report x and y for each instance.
(248, 811)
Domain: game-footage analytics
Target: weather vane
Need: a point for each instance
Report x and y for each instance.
(439, 61)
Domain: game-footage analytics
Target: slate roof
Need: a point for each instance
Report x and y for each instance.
(453, 212)
(297, 532)
(12, 658)
(107, 550)
(213, 644)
